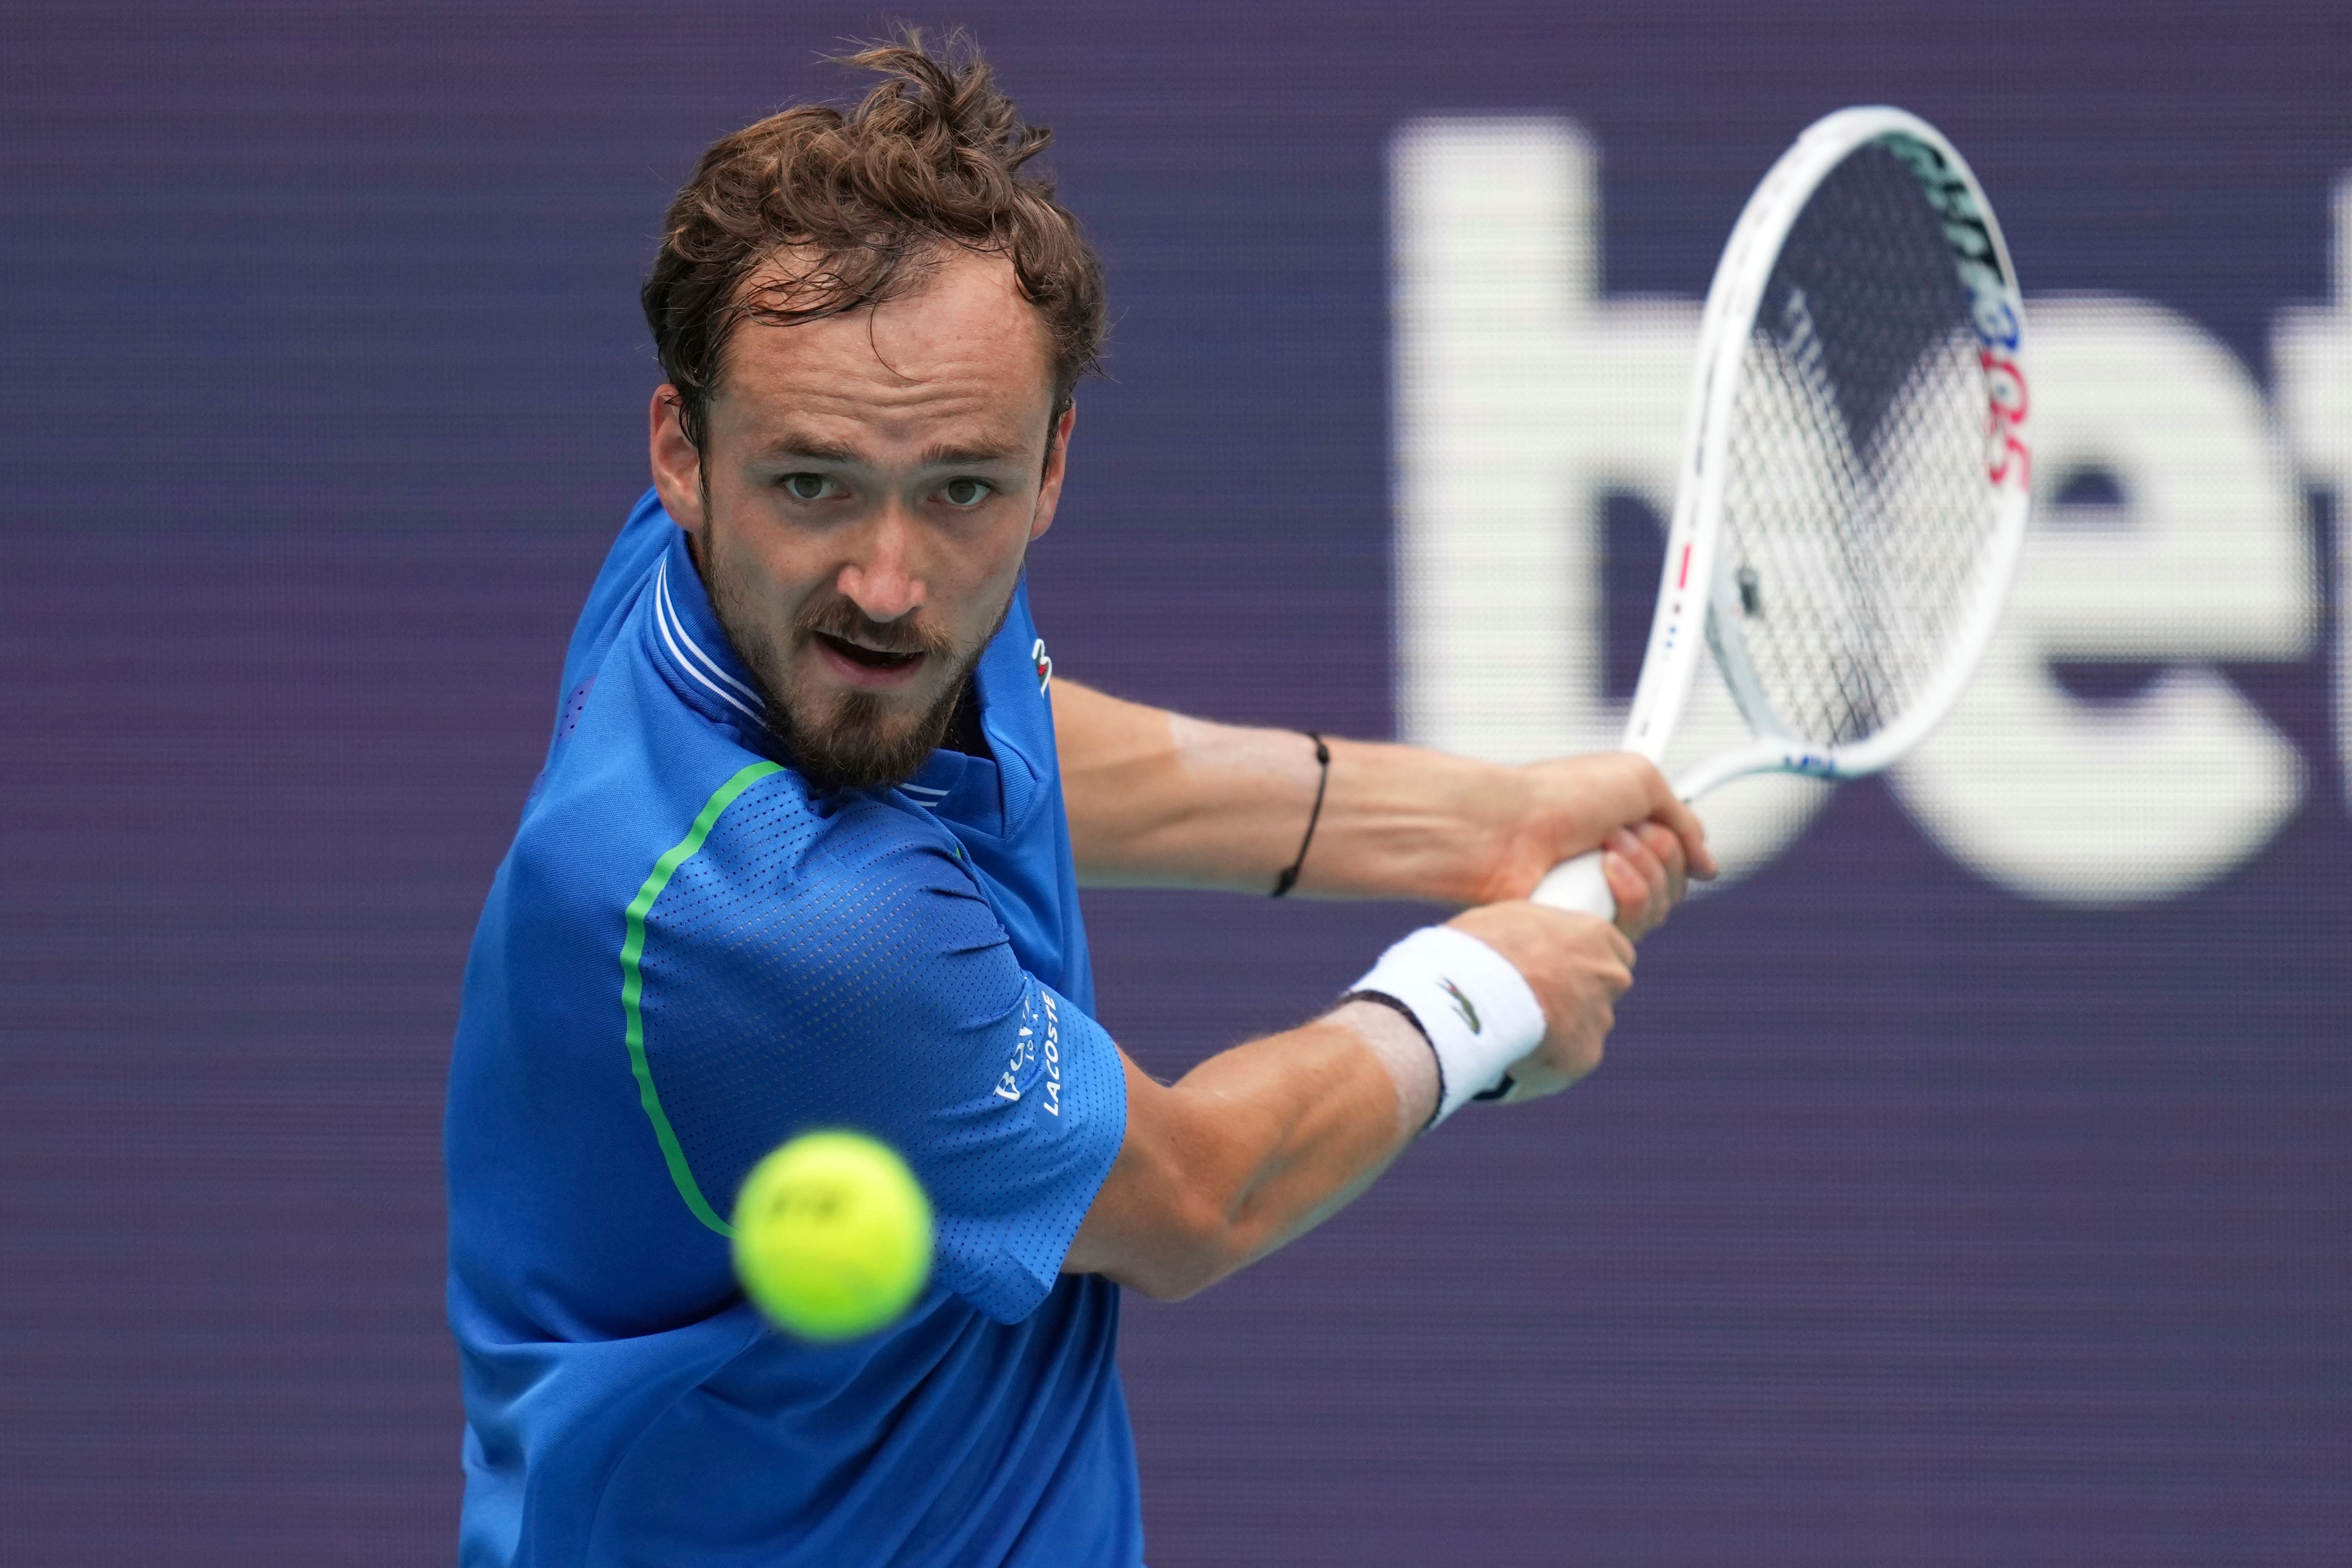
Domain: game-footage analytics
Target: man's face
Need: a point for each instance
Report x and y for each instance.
(866, 494)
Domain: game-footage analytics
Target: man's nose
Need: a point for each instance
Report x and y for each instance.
(882, 577)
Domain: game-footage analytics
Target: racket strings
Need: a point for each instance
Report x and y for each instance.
(1858, 523)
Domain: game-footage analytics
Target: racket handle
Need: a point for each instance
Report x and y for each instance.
(1578, 885)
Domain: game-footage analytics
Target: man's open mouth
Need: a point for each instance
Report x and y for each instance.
(871, 657)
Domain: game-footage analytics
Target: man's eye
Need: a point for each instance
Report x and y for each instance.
(807, 487)
(966, 492)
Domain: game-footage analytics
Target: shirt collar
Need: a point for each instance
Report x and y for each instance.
(704, 668)
(689, 641)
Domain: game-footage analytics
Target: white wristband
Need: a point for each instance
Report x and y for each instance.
(1476, 1009)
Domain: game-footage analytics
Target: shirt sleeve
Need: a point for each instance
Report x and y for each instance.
(806, 970)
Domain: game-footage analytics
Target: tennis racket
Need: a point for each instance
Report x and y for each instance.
(1854, 482)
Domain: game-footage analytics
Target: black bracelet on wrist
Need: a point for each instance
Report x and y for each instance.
(1289, 878)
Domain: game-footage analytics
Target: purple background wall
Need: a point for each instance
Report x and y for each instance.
(1910, 1222)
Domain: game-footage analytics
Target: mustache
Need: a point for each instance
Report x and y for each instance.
(841, 618)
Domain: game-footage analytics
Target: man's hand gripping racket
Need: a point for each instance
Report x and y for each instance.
(1854, 482)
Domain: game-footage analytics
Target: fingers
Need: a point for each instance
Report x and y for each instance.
(1546, 944)
(1644, 869)
(1668, 846)
(1667, 810)
(1621, 977)
(1623, 866)
(1596, 968)
(1675, 815)
(1578, 967)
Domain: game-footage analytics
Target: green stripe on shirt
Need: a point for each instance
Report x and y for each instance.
(633, 983)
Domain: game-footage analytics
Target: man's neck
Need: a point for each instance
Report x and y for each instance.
(964, 733)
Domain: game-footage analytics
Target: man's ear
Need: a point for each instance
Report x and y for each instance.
(1057, 463)
(676, 462)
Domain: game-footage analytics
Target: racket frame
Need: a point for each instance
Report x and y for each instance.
(1695, 602)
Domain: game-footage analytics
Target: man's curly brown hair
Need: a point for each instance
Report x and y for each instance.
(861, 206)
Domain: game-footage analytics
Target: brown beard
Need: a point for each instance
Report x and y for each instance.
(851, 745)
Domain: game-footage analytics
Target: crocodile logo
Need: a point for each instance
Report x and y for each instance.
(1460, 1003)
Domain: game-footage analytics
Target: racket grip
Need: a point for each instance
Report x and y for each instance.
(1578, 885)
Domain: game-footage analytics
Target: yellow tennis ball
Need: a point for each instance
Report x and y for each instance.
(832, 1236)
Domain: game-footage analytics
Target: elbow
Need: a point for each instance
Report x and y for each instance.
(1170, 1285)
(1162, 1288)
(1198, 1244)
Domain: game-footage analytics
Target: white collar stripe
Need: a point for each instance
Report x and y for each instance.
(669, 613)
(663, 621)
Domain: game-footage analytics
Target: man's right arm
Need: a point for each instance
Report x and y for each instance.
(1261, 1143)
(1159, 799)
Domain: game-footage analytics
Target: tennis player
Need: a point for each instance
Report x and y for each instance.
(805, 852)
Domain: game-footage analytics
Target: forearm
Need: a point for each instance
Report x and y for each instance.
(1254, 1147)
(1161, 800)
(1404, 822)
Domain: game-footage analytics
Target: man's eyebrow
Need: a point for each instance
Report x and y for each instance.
(972, 455)
(794, 444)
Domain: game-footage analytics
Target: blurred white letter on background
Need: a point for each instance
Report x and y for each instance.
(2206, 558)
(2311, 355)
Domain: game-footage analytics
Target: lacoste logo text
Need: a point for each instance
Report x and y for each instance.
(1053, 1061)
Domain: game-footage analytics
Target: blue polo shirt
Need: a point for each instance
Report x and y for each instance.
(687, 958)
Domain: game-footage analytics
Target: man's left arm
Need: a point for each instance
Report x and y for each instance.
(1159, 799)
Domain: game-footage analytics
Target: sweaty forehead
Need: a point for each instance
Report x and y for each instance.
(961, 347)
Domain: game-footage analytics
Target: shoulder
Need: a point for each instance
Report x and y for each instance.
(635, 777)
(804, 902)
(644, 535)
